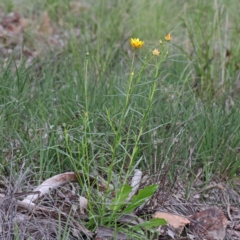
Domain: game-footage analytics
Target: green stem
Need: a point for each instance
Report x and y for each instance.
(86, 83)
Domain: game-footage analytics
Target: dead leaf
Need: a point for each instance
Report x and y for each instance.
(83, 204)
(209, 224)
(135, 183)
(175, 221)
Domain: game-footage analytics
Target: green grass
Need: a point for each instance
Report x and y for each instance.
(70, 111)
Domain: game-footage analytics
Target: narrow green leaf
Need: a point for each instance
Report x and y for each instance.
(155, 222)
(140, 198)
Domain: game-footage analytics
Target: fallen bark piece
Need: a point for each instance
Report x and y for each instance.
(50, 184)
(176, 222)
(209, 224)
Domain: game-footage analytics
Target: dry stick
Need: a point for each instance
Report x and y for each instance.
(210, 187)
(228, 208)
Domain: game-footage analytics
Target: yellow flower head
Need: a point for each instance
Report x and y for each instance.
(136, 43)
(168, 37)
(156, 52)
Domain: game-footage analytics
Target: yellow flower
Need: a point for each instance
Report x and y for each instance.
(168, 37)
(156, 52)
(136, 43)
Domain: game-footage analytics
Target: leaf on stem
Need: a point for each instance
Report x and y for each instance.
(121, 197)
(140, 198)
